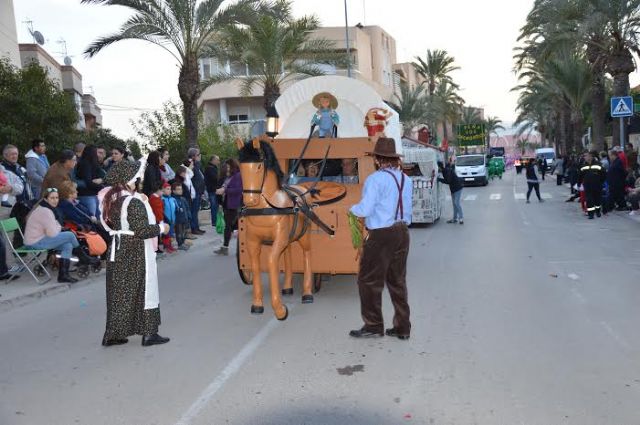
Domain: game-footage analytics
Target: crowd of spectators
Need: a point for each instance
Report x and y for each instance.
(49, 199)
(619, 173)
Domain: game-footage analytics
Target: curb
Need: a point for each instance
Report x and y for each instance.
(52, 287)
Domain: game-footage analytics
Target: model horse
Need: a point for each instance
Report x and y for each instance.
(278, 215)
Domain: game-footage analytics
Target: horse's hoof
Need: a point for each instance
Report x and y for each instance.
(286, 314)
(257, 309)
(307, 299)
(287, 291)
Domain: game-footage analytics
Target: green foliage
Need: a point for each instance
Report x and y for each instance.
(32, 106)
(103, 137)
(277, 47)
(165, 128)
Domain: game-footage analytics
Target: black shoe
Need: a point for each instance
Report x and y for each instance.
(461, 222)
(394, 332)
(117, 341)
(198, 232)
(452, 221)
(365, 333)
(9, 277)
(154, 339)
(598, 213)
(85, 258)
(63, 271)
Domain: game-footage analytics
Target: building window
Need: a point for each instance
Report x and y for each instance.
(238, 118)
(238, 68)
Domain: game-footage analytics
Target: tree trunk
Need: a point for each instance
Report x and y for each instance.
(189, 90)
(595, 57)
(620, 65)
(271, 94)
(577, 130)
(598, 113)
(563, 134)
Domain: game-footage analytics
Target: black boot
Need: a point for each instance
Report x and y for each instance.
(63, 271)
(84, 258)
(154, 339)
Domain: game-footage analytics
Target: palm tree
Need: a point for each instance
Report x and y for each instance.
(412, 107)
(277, 49)
(183, 28)
(491, 126)
(470, 115)
(436, 69)
(447, 104)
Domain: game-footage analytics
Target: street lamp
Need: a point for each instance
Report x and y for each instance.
(273, 121)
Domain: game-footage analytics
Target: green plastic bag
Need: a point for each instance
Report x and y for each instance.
(220, 222)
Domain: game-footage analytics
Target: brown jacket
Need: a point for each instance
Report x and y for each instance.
(56, 177)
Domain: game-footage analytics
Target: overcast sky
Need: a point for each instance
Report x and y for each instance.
(139, 76)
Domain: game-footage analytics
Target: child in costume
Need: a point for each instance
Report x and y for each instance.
(326, 118)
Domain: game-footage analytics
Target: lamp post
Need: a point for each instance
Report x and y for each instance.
(273, 121)
(346, 29)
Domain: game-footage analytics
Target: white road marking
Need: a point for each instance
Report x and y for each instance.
(546, 195)
(573, 276)
(578, 295)
(495, 196)
(471, 197)
(519, 196)
(614, 334)
(232, 367)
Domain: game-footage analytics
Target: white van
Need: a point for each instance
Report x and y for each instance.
(472, 169)
(549, 155)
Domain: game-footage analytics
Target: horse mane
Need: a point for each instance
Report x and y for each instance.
(249, 154)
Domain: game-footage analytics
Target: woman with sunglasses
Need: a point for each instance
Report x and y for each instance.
(44, 231)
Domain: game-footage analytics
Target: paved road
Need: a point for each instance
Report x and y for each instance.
(527, 314)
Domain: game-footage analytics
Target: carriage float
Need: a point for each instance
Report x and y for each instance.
(316, 181)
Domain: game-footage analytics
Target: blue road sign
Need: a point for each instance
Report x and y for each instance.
(621, 107)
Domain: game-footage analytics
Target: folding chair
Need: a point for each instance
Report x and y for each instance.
(31, 261)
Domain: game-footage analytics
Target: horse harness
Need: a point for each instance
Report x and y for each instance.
(300, 205)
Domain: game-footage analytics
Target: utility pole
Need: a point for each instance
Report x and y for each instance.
(346, 29)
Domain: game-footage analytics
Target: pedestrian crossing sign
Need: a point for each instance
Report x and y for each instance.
(621, 106)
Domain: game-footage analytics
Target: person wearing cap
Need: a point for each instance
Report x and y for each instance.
(386, 209)
(133, 305)
(326, 118)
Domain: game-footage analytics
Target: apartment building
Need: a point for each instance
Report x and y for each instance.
(8, 33)
(372, 53)
(68, 79)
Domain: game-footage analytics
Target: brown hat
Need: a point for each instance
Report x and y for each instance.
(333, 102)
(386, 147)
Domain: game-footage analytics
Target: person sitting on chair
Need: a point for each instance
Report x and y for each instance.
(44, 231)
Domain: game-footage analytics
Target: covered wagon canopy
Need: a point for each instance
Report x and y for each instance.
(425, 157)
(354, 97)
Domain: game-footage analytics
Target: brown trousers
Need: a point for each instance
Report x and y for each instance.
(384, 259)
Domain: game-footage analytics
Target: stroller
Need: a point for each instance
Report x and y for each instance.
(92, 245)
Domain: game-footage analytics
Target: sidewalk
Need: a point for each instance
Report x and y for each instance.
(25, 290)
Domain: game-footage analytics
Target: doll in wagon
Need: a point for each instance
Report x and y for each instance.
(326, 118)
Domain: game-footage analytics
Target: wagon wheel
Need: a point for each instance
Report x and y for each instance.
(245, 276)
(317, 282)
